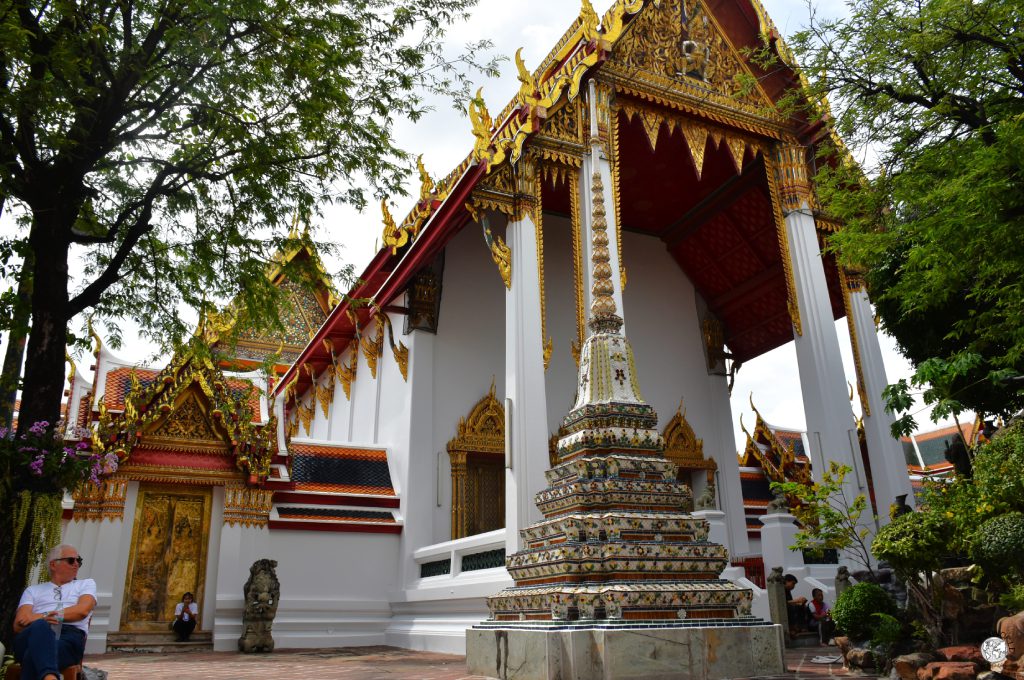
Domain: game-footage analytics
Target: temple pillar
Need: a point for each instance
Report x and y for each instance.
(526, 422)
(831, 432)
(460, 494)
(888, 467)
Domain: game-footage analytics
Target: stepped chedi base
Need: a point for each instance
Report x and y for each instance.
(618, 580)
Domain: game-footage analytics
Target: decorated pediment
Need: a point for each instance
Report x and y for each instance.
(190, 407)
(483, 430)
(680, 40)
(682, 446)
(766, 450)
(190, 422)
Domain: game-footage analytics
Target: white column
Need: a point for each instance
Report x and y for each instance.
(526, 425)
(418, 480)
(888, 467)
(777, 534)
(830, 425)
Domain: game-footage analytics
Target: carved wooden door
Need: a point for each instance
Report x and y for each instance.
(168, 555)
(487, 492)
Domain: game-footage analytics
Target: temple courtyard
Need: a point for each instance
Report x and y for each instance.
(362, 663)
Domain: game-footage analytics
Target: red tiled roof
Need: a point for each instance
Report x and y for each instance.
(326, 451)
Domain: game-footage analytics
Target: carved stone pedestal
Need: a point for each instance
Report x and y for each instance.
(734, 651)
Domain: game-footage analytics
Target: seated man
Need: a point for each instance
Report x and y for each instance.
(59, 609)
(820, 615)
(796, 607)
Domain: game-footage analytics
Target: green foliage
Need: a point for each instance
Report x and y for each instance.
(935, 91)
(1014, 598)
(999, 470)
(913, 542)
(999, 545)
(828, 518)
(856, 608)
(955, 503)
(178, 141)
(887, 633)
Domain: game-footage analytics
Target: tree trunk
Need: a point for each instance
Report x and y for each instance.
(15, 356)
(43, 386)
(42, 389)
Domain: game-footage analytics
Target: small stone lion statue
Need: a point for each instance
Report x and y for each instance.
(706, 500)
(262, 592)
(777, 505)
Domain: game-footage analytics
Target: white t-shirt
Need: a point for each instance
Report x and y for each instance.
(44, 598)
(193, 611)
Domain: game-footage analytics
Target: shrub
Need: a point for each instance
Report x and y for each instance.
(1014, 599)
(913, 542)
(999, 544)
(855, 609)
(999, 471)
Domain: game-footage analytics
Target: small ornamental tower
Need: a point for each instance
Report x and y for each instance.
(617, 557)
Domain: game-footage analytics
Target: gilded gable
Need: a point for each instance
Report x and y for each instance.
(681, 41)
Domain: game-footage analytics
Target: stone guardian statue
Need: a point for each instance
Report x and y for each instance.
(262, 592)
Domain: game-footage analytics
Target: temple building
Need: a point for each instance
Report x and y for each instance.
(391, 455)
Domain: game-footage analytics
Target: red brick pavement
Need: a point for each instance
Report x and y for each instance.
(362, 663)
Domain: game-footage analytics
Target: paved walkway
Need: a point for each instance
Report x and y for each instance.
(361, 663)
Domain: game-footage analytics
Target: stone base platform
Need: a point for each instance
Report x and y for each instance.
(651, 653)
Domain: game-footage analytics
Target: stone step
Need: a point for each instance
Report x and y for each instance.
(158, 642)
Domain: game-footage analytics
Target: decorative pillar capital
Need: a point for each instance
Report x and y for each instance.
(793, 178)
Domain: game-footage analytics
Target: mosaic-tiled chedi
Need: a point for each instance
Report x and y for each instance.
(617, 545)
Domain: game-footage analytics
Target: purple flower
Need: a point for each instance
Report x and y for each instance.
(36, 466)
(4, 432)
(81, 446)
(39, 428)
(110, 463)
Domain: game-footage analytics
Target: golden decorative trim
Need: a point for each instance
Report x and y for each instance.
(793, 179)
(682, 446)
(346, 373)
(577, 264)
(392, 236)
(714, 340)
(306, 413)
(399, 351)
(612, 124)
(532, 172)
(500, 253)
(850, 284)
(247, 506)
(787, 258)
(373, 349)
(97, 503)
(325, 393)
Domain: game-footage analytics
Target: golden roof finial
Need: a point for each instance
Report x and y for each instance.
(482, 124)
(426, 184)
(591, 21)
(93, 334)
(528, 84)
(393, 237)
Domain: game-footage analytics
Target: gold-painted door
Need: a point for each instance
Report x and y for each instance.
(168, 555)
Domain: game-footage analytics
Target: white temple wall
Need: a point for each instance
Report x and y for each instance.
(665, 332)
(469, 349)
(365, 400)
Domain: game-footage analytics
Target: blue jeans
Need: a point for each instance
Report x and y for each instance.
(39, 651)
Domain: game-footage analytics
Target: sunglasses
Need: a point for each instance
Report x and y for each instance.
(70, 560)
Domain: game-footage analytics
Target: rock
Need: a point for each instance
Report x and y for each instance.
(963, 653)
(947, 670)
(859, 657)
(906, 666)
(992, 675)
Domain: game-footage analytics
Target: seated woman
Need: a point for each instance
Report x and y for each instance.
(185, 615)
(820, 616)
(57, 611)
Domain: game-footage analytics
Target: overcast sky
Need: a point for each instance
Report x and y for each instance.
(444, 139)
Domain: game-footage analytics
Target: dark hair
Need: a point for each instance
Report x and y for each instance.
(188, 595)
(815, 591)
(789, 578)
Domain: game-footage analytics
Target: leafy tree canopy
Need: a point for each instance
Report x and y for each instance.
(931, 94)
(159, 148)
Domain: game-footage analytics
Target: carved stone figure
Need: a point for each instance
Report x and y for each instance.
(1011, 629)
(842, 580)
(706, 500)
(695, 59)
(778, 504)
(262, 592)
(899, 507)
